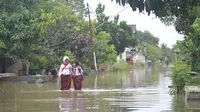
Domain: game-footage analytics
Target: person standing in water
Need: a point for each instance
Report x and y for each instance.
(77, 75)
(65, 74)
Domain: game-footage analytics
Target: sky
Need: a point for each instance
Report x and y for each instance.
(166, 34)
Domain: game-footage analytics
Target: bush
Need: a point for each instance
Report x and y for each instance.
(119, 66)
(86, 72)
(180, 76)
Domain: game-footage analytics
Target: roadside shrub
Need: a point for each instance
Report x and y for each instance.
(86, 71)
(119, 66)
(180, 76)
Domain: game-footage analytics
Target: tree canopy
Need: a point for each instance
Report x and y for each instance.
(39, 30)
(183, 14)
(120, 32)
(42, 31)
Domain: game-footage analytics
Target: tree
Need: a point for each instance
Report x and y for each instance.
(105, 52)
(121, 33)
(195, 37)
(81, 46)
(148, 45)
(180, 13)
(19, 28)
(36, 29)
(183, 50)
(168, 54)
(147, 37)
(163, 46)
(152, 52)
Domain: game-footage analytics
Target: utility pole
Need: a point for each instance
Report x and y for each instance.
(92, 36)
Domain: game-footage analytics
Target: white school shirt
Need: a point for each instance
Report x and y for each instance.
(77, 71)
(66, 71)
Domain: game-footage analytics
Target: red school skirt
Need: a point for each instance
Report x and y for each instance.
(77, 80)
(65, 82)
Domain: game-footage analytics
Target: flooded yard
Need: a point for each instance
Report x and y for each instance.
(139, 90)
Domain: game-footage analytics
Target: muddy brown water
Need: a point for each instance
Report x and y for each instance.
(137, 90)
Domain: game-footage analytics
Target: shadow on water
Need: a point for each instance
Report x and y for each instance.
(140, 90)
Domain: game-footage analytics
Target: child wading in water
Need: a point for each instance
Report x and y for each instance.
(77, 75)
(65, 74)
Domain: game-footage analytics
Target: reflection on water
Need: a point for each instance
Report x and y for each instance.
(69, 101)
(138, 90)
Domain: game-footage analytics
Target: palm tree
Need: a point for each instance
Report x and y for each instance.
(163, 46)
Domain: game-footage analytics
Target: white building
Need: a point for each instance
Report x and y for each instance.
(139, 58)
(129, 52)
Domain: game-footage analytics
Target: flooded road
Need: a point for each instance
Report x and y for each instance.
(138, 90)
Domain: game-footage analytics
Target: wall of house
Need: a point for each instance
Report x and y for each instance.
(19, 67)
(139, 58)
(122, 57)
(128, 52)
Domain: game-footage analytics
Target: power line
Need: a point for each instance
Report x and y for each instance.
(92, 11)
(111, 17)
(91, 34)
(94, 28)
(64, 40)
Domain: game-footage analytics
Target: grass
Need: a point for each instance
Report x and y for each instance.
(119, 66)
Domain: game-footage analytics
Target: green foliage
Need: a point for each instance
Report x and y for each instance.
(42, 30)
(179, 12)
(196, 25)
(147, 37)
(70, 55)
(38, 61)
(38, 30)
(184, 15)
(148, 45)
(168, 54)
(182, 50)
(119, 66)
(195, 37)
(17, 31)
(121, 34)
(105, 53)
(154, 53)
(188, 52)
(180, 76)
(2, 45)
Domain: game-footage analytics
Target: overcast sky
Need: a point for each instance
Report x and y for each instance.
(166, 34)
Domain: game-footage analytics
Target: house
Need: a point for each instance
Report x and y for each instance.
(133, 27)
(139, 58)
(130, 52)
(18, 67)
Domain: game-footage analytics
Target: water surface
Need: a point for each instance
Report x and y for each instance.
(137, 90)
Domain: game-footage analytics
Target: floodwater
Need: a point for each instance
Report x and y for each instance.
(138, 90)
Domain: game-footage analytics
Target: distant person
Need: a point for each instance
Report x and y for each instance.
(167, 63)
(65, 74)
(77, 75)
(149, 63)
(131, 61)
